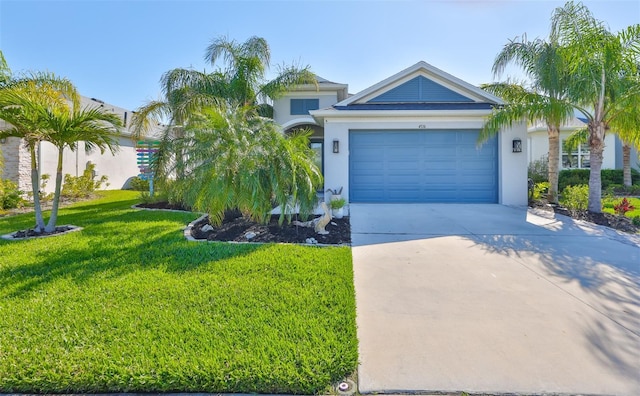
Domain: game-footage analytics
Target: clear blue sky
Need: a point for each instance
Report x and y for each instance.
(117, 50)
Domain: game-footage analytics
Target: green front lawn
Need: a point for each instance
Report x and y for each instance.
(127, 305)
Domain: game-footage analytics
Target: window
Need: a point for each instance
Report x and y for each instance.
(302, 106)
(318, 159)
(576, 158)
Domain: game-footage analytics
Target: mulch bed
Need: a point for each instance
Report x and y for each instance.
(605, 219)
(163, 205)
(234, 228)
(32, 233)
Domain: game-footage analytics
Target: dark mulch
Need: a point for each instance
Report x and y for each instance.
(236, 228)
(31, 233)
(605, 219)
(162, 205)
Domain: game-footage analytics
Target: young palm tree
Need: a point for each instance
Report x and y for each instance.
(5, 71)
(600, 64)
(546, 100)
(627, 127)
(68, 126)
(238, 159)
(22, 102)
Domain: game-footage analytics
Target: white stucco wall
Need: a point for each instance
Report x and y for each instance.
(512, 167)
(282, 106)
(539, 142)
(117, 167)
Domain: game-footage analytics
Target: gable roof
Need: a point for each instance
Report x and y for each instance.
(420, 83)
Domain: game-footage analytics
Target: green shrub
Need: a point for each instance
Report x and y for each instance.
(337, 203)
(635, 220)
(137, 184)
(538, 170)
(572, 177)
(540, 190)
(609, 177)
(158, 196)
(9, 195)
(82, 186)
(575, 198)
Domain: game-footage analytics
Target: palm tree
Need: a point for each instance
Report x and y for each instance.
(241, 83)
(68, 126)
(22, 102)
(627, 127)
(546, 100)
(601, 65)
(5, 71)
(238, 159)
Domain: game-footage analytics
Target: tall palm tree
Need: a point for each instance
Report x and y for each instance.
(22, 102)
(68, 126)
(240, 83)
(600, 64)
(544, 100)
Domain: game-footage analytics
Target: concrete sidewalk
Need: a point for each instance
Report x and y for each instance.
(488, 298)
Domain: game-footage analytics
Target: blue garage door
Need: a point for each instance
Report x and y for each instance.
(422, 166)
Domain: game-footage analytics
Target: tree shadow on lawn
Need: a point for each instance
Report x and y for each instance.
(601, 270)
(110, 249)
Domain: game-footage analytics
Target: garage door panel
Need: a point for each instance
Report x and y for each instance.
(422, 166)
(404, 165)
(439, 152)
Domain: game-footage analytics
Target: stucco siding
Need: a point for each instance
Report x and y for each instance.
(282, 107)
(118, 168)
(512, 167)
(539, 141)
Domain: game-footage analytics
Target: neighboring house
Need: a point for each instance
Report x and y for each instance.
(578, 158)
(118, 168)
(409, 138)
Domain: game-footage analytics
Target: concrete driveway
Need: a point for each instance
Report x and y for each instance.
(495, 299)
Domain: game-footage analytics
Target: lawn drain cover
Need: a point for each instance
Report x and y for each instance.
(346, 388)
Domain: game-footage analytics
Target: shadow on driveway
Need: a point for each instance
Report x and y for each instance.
(573, 286)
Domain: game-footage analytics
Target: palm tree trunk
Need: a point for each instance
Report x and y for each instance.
(626, 165)
(51, 225)
(554, 162)
(596, 143)
(35, 188)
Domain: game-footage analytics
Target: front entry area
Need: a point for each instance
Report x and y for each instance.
(438, 166)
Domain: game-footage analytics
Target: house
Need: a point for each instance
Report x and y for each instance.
(578, 158)
(118, 168)
(412, 137)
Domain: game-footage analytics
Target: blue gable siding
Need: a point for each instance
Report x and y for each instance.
(420, 89)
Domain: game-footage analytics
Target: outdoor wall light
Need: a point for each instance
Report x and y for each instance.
(517, 145)
(3, 140)
(336, 146)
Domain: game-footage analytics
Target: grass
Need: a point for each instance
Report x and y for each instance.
(127, 305)
(608, 204)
